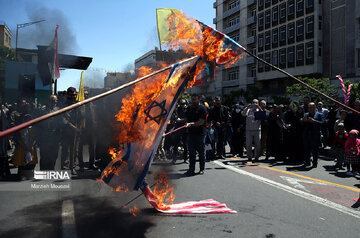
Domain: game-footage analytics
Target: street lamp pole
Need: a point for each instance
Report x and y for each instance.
(18, 26)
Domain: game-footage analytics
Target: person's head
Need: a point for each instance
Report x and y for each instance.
(340, 127)
(312, 108)
(291, 106)
(353, 134)
(357, 104)
(53, 100)
(320, 105)
(183, 103)
(237, 108)
(343, 114)
(263, 104)
(306, 100)
(71, 94)
(86, 94)
(217, 101)
(195, 100)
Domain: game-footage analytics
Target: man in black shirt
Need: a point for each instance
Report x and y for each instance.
(196, 117)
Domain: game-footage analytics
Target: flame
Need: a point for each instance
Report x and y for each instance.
(186, 35)
(164, 192)
(134, 211)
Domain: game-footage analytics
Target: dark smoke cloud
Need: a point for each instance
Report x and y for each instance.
(43, 33)
(93, 79)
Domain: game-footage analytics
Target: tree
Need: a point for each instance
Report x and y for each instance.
(6, 54)
(321, 84)
(354, 93)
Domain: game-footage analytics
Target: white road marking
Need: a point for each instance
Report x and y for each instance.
(294, 191)
(296, 182)
(68, 219)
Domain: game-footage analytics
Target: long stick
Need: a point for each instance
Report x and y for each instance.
(299, 81)
(181, 127)
(78, 104)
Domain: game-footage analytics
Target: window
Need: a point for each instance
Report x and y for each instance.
(267, 3)
(261, 42)
(261, 64)
(275, 56)
(358, 51)
(275, 16)
(235, 37)
(253, 71)
(283, 12)
(299, 8)
(300, 55)
(282, 35)
(267, 59)
(274, 1)
(233, 75)
(234, 21)
(291, 10)
(261, 22)
(291, 57)
(309, 6)
(291, 32)
(275, 38)
(310, 52)
(282, 56)
(267, 18)
(320, 48)
(309, 27)
(260, 5)
(320, 22)
(234, 4)
(267, 40)
(253, 31)
(300, 30)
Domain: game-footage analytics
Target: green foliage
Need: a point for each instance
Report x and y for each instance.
(354, 93)
(6, 54)
(234, 96)
(281, 100)
(321, 84)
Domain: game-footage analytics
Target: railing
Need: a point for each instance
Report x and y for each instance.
(250, 40)
(250, 2)
(231, 11)
(251, 20)
(231, 28)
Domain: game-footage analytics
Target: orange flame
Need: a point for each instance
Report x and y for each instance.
(164, 192)
(134, 211)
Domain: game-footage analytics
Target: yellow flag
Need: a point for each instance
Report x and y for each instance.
(163, 25)
(80, 95)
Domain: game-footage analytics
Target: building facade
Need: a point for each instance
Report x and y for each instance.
(308, 38)
(5, 35)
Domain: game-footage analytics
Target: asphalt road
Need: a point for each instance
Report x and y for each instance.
(271, 200)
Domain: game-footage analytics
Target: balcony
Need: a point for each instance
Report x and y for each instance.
(231, 28)
(230, 83)
(251, 2)
(214, 20)
(251, 20)
(250, 60)
(251, 80)
(215, 4)
(250, 40)
(231, 11)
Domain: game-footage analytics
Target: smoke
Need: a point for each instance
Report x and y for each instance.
(93, 79)
(43, 33)
(153, 39)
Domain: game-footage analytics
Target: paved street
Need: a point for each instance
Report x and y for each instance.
(272, 200)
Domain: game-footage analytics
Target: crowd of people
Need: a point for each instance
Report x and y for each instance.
(292, 134)
(41, 143)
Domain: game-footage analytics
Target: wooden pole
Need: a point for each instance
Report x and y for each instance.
(79, 104)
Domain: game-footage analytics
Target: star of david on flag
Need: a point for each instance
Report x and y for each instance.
(151, 110)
